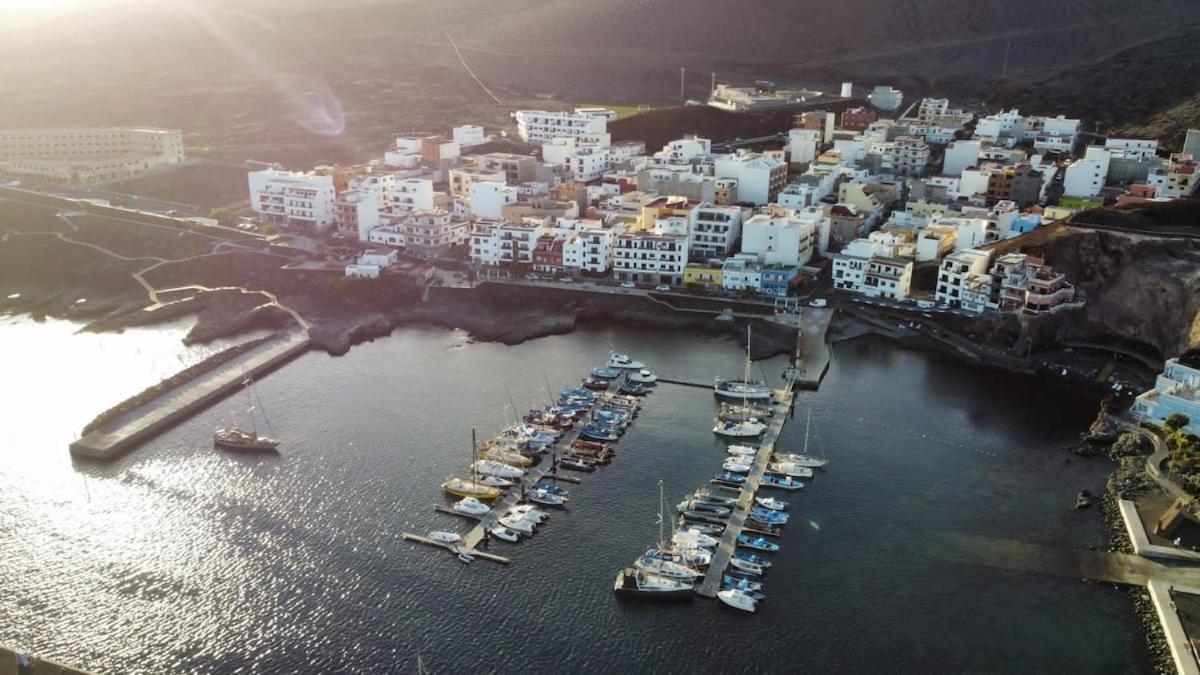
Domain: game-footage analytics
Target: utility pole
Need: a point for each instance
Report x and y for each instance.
(713, 88)
(681, 78)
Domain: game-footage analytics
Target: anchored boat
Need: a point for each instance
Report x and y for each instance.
(238, 440)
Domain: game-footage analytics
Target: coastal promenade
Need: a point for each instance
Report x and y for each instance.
(167, 409)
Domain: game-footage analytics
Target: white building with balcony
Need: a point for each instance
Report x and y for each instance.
(1176, 390)
(954, 272)
(539, 126)
(588, 249)
(760, 178)
(497, 243)
(714, 232)
(487, 199)
(357, 212)
(740, 272)
(411, 194)
(653, 257)
(776, 236)
(1085, 177)
(291, 198)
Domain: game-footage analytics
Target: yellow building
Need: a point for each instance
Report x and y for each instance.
(702, 275)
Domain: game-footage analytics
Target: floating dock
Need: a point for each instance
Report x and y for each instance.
(741, 511)
(173, 406)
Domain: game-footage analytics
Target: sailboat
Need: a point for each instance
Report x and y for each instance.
(651, 574)
(747, 426)
(745, 388)
(471, 487)
(239, 440)
(804, 459)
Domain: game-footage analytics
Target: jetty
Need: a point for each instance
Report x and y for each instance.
(812, 348)
(168, 408)
(737, 519)
(543, 471)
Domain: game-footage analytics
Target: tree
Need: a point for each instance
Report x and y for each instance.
(223, 216)
(1176, 421)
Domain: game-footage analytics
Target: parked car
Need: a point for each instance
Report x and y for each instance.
(662, 288)
(533, 277)
(818, 302)
(628, 284)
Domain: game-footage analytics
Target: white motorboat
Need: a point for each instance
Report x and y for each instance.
(545, 497)
(738, 599)
(448, 538)
(791, 470)
(496, 481)
(643, 376)
(749, 428)
(665, 568)
(529, 512)
(688, 538)
(747, 566)
(498, 454)
(501, 532)
(489, 467)
(623, 362)
(801, 460)
(470, 506)
(714, 510)
(736, 464)
(744, 450)
(633, 580)
(466, 557)
(771, 503)
(516, 524)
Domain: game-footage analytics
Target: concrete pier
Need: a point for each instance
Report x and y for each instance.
(177, 404)
(813, 347)
(741, 511)
(37, 665)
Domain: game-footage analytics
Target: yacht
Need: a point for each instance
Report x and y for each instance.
(501, 532)
(545, 497)
(747, 566)
(791, 470)
(687, 537)
(470, 506)
(705, 497)
(529, 512)
(738, 599)
(753, 390)
(495, 481)
(623, 362)
(747, 428)
(499, 454)
(771, 503)
(516, 524)
(643, 376)
(238, 440)
(744, 426)
(736, 464)
(741, 583)
(606, 373)
(744, 450)
(804, 459)
(665, 568)
(632, 580)
(447, 538)
(731, 478)
(712, 510)
(488, 467)
(473, 486)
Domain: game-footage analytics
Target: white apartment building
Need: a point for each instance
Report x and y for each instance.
(587, 164)
(1085, 177)
(292, 198)
(760, 178)
(589, 249)
(461, 178)
(487, 199)
(82, 156)
(406, 155)
(959, 155)
(714, 232)
(1131, 147)
(776, 236)
(468, 135)
(1176, 390)
(888, 278)
(803, 145)
(955, 271)
(387, 235)
(433, 233)
(684, 150)
(740, 272)
(356, 212)
(410, 194)
(539, 126)
(382, 184)
(497, 243)
(853, 263)
(885, 97)
(906, 156)
(650, 257)
(1057, 134)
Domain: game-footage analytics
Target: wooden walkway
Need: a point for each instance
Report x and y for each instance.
(741, 511)
(538, 473)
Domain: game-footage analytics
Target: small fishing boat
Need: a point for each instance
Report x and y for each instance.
(544, 497)
(632, 580)
(516, 524)
(743, 450)
(757, 543)
(736, 465)
(738, 599)
(576, 464)
(598, 432)
(703, 528)
(742, 583)
(623, 362)
(642, 376)
(471, 507)
(501, 532)
(687, 537)
(768, 517)
(595, 384)
(729, 478)
(762, 562)
(747, 566)
(633, 388)
(705, 497)
(606, 373)
(498, 454)
(781, 482)
(553, 489)
(466, 557)
(447, 538)
(790, 469)
(488, 467)
(771, 503)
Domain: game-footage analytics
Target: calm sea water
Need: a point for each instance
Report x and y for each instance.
(179, 558)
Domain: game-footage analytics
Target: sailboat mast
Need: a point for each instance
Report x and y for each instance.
(474, 458)
(246, 383)
(660, 516)
(746, 380)
(807, 423)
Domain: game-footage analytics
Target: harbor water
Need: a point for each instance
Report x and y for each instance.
(181, 558)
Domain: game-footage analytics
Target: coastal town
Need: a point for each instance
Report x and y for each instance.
(916, 208)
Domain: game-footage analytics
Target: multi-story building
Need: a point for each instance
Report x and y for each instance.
(548, 255)
(684, 150)
(1132, 147)
(517, 168)
(587, 164)
(1057, 134)
(887, 278)
(488, 199)
(857, 119)
(410, 194)
(539, 126)
(589, 250)
(356, 213)
(885, 97)
(677, 180)
(777, 237)
(406, 155)
(803, 145)
(714, 232)
(502, 244)
(460, 179)
(657, 257)
(1177, 178)
(910, 157)
(468, 135)
(740, 272)
(85, 156)
(954, 272)
(433, 233)
(1176, 391)
(1085, 177)
(818, 120)
(960, 155)
(759, 178)
(291, 198)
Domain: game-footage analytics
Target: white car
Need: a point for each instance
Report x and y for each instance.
(662, 288)
(628, 284)
(817, 302)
